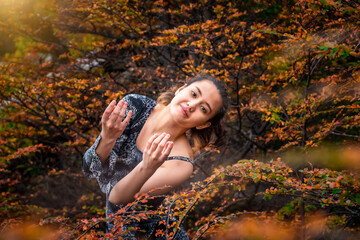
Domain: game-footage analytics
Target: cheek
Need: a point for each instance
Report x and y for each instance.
(201, 119)
(176, 99)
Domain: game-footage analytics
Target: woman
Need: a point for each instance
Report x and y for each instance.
(139, 138)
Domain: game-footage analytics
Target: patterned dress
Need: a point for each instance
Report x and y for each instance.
(124, 157)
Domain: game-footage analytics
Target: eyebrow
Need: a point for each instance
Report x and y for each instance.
(205, 102)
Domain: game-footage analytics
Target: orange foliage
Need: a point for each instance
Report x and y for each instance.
(292, 73)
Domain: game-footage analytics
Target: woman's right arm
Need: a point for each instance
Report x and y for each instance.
(99, 159)
(113, 126)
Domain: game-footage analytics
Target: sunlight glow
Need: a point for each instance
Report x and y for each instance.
(6, 4)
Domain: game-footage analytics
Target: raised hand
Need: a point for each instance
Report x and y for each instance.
(113, 122)
(156, 151)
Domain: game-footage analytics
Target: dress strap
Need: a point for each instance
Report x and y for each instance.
(181, 158)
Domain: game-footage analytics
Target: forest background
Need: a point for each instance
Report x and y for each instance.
(292, 72)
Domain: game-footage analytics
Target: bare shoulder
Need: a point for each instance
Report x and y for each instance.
(182, 148)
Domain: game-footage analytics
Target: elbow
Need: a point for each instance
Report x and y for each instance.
(117, 199)
(113, 199)
(85, 168)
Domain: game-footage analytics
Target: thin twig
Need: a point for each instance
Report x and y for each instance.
(344, 134)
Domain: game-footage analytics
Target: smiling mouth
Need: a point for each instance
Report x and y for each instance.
(183, 110)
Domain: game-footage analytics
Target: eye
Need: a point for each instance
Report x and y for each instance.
(193, 93)
(203, 109)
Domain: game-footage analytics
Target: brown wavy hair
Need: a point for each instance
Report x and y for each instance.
(214, 134)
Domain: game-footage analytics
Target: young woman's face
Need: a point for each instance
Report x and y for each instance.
(195, 104)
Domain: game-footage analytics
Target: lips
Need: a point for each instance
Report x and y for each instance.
(183, 110)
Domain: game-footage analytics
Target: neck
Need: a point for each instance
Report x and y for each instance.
(164, 123)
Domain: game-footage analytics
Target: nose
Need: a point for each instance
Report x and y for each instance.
(192, 105)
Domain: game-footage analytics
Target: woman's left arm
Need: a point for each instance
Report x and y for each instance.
(151, 172)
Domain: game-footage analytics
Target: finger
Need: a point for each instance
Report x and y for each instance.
(162, 144)
(108, 110)
(115, 114)
(156, 142)
(167, 149)
(126, 120)
(150, 141)
(122, 113)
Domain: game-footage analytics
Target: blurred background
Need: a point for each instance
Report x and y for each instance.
(292, 73)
